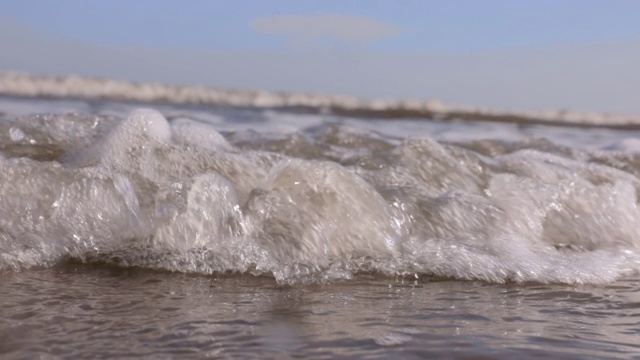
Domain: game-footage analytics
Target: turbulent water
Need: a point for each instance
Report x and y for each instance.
(311, 200)
(312, 203)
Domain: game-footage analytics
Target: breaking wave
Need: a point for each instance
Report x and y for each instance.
(311, 206)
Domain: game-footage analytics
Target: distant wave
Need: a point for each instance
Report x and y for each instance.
(22, 84)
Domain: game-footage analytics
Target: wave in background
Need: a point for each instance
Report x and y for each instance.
(22, 84)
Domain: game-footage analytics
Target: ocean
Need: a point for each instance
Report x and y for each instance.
(134, 229)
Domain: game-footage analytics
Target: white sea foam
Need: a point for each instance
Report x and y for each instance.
(311, 205)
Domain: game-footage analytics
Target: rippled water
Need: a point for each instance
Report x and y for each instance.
(213, 231)
(87, 312)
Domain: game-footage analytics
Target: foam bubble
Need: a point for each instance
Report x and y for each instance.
(16, 134)
(191, 133)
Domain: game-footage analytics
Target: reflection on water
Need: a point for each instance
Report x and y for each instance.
(75, 311)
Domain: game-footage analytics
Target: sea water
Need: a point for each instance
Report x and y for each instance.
(131, 230)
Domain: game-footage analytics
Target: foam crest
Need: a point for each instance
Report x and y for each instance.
(203, 211)
(318, 212)
(191, 133)
(133, 139)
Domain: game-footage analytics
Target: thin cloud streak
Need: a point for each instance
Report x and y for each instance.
(345, 28)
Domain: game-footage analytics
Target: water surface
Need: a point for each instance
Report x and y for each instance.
(88, 312)
(195, 231)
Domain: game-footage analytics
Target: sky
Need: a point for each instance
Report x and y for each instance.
(524, 54)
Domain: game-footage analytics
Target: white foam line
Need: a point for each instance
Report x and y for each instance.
(23, 84)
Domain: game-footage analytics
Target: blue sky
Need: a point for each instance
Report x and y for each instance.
(535, 53)
(424, 25)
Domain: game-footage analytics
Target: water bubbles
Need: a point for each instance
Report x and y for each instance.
(180, 196)
(16, 134)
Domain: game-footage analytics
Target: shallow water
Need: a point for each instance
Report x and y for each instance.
(239, 232)
(87, 312)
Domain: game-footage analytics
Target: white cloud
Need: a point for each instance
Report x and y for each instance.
(334, 27)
